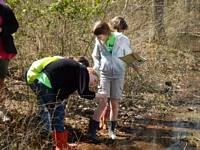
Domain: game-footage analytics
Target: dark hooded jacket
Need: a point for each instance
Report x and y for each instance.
(67, 76)
(10, 26)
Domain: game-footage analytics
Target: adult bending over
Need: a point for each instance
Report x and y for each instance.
(53, 79)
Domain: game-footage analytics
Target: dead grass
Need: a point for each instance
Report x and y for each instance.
(170, 77)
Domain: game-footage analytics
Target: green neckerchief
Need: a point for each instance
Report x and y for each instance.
(44, 79)
(110, 43)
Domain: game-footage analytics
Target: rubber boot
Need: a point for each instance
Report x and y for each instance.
(111, 129)
(61, 139)
(92, 131)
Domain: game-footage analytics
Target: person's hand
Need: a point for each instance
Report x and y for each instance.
(93, 77)
(135, 68)
(0, 29)
(93, 80)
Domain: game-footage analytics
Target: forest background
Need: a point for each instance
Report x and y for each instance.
(165, 32)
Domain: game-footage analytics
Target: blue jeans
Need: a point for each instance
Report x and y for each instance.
(51, 108)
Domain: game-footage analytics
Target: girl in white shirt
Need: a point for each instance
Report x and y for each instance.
(108, 48)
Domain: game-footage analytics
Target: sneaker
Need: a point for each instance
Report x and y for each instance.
(4, 117)
(111, 129)
(112, 135)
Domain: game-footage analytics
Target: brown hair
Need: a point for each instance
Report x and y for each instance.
(101, 27)
(81, 59)
(118, 23)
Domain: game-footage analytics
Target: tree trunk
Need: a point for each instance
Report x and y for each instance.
(188, 5)
(159, 29)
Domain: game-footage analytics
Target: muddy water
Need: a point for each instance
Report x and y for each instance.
(175, 132)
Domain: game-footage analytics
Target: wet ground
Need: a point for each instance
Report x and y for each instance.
(178, 129)
(169, 124)
(159, 119)
(172, 124)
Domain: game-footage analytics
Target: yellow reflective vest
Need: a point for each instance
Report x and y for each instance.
(35, 71)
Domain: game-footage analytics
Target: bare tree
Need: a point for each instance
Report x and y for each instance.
(188, 5)
(159, 29)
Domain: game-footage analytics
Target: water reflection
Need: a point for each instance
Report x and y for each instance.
(156, 133)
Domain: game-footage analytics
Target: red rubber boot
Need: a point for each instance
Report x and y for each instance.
(61, 139)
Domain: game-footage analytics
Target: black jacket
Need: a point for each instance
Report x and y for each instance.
(10, 26)
(67, 76)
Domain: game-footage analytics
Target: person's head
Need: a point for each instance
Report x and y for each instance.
(82, 60)
(101, 30)
(119, 24)
(93, 77)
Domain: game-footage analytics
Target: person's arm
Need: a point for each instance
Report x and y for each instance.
(96, 57)
(127, 50)
(83, 88)
(10, 25)
(126, 46)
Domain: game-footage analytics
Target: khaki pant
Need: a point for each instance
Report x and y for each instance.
(113, 88)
